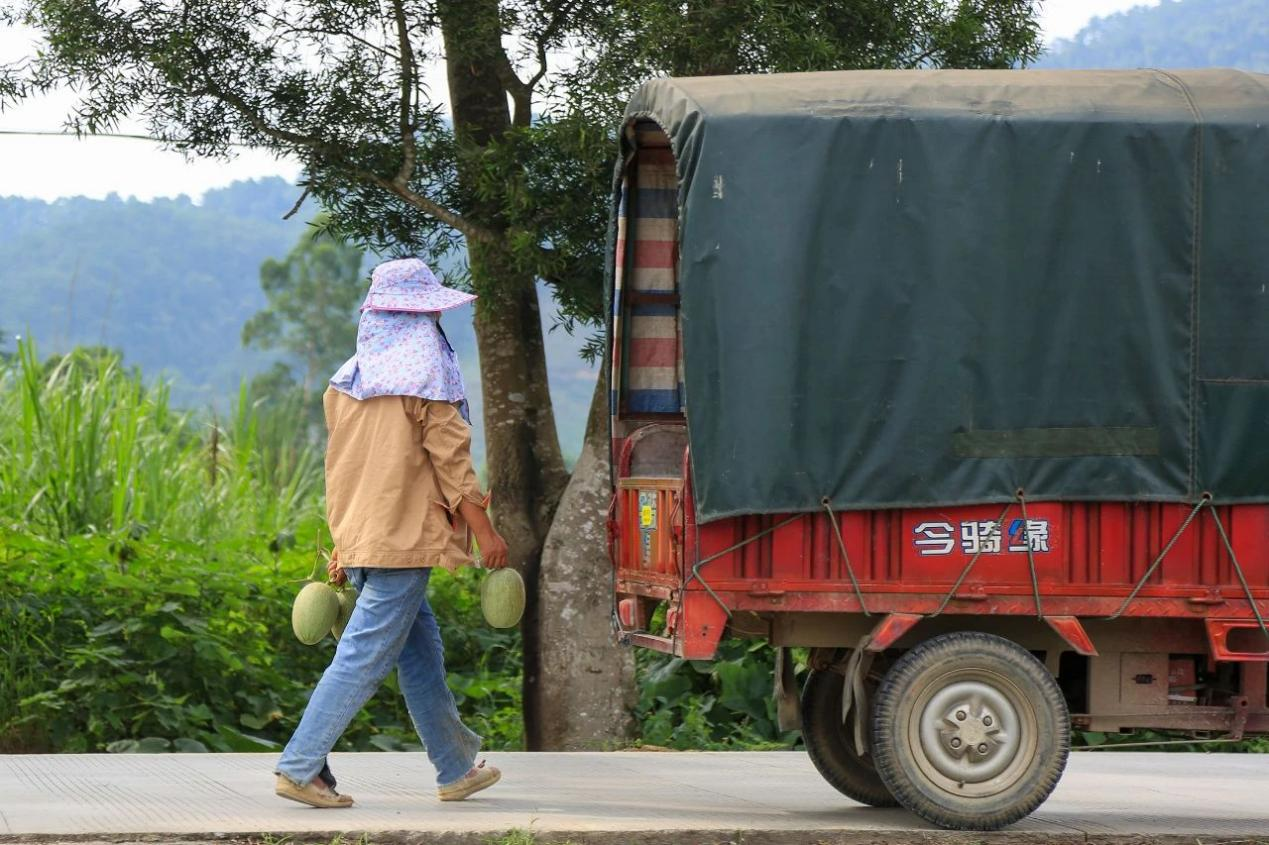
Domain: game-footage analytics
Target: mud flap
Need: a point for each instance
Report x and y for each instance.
(788, 706)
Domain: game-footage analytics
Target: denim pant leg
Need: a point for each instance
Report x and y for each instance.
(451, 746)
(386, 608)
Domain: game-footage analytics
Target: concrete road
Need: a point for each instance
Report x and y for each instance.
(616, 797)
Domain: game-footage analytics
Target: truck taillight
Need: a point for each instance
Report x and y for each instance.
(626, 612)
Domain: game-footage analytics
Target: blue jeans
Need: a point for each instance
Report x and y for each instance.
(392, 624)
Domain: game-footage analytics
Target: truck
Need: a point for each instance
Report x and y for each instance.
(958, 380)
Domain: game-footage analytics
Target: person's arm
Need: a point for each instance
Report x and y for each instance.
(493, 549)
(447, 439)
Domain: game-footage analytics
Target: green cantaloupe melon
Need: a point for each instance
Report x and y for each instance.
(502, 598)
(347, 601)
(314, 612)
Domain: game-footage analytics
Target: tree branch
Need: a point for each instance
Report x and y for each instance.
(294, 29)
(520, 91)
(295, 208)
(406, 61)
(471, 231)
(552, 29)
(916, 62)
(257, 122)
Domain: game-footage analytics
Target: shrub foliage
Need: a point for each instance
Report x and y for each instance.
(151, 558)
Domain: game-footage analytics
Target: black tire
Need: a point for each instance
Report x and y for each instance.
(831, 744)
(970, 731)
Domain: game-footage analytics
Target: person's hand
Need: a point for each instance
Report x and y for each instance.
(493, 549)
(334, 572)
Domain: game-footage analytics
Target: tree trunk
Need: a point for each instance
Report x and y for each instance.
(586, 694)
(526, 468)
(522, 448)
(522, 453)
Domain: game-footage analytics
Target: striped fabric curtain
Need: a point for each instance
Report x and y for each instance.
(648, 356)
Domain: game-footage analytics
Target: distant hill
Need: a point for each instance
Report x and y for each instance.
(170, 283)
(1173, 34)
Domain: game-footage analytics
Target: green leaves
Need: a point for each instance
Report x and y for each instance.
(87, 449)
(182, 643)
(236, 740)
(185, 745)
(716, 705)
(149, 745)
(144, 601)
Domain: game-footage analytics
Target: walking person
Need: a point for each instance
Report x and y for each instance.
(401, 498)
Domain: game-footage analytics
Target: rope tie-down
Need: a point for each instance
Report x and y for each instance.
(858, 662)
(700, 564)
(841, 546)
(837, 533)
(1021, 500)
(854, 692)
(1205, 501)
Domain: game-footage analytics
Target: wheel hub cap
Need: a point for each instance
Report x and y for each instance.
(969, 732)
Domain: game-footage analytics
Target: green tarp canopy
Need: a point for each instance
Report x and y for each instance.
(925, 288)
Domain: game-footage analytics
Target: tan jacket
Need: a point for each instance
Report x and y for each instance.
(396, 469)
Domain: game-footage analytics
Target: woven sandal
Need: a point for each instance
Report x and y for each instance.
(315, 793)
(481, 777)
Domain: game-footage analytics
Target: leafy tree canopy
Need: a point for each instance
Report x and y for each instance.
(313, 296)
(335, 83)
(637, 39)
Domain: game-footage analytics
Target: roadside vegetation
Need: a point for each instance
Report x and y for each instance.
(152, 555)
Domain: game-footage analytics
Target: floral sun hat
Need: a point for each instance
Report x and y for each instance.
(407, 284)
(401, 348)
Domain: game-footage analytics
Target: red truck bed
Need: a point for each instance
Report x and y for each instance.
(776, 575)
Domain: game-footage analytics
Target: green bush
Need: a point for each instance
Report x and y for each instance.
(194, 649)
(151, 559)
(717, 705)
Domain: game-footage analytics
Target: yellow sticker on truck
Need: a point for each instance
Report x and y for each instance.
(647, 508)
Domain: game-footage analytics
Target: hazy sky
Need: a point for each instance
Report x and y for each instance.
(56, 167)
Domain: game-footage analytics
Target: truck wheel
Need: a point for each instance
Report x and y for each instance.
(831, 744)
(970, 732)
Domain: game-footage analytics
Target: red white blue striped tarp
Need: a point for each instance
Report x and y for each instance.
(647, 353)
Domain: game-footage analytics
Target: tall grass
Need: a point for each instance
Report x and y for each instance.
(111, 498)
(86, 447)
